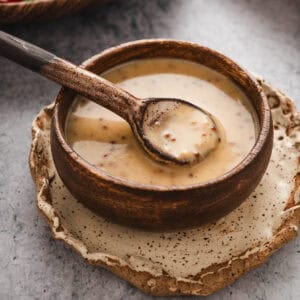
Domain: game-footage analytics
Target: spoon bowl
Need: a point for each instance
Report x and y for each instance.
(174, 131)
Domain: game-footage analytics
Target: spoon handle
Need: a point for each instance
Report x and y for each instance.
(67, 74)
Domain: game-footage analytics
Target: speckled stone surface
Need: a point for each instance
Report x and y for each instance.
(264, 36)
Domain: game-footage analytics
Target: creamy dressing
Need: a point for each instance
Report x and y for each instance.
(106, 141)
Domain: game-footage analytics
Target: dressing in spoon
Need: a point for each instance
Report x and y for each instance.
(169, 130)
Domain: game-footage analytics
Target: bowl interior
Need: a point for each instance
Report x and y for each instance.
(180, 50)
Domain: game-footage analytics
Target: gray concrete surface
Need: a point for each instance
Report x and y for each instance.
(264, 36)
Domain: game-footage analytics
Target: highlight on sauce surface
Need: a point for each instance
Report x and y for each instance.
(105, 140)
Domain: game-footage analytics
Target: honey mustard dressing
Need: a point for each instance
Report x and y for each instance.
(106, 141)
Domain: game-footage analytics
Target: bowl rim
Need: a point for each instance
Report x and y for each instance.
(261, 139)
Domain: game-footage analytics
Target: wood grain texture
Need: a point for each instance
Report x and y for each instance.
(93, 87)
(24, 53)
(67, 74)
(41, 9)
(157, 207)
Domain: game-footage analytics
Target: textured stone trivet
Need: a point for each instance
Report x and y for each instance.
(192, 262)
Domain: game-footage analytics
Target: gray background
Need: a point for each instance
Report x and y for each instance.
(264, 36)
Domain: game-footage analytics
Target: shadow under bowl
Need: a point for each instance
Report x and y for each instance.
(159, 207)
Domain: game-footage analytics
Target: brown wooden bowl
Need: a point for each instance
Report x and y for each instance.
(158, 207)
(40, 9)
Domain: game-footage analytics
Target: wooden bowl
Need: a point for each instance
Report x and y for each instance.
(40, 9)
(158, 207)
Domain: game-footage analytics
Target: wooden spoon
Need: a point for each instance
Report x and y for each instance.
(154, 121)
